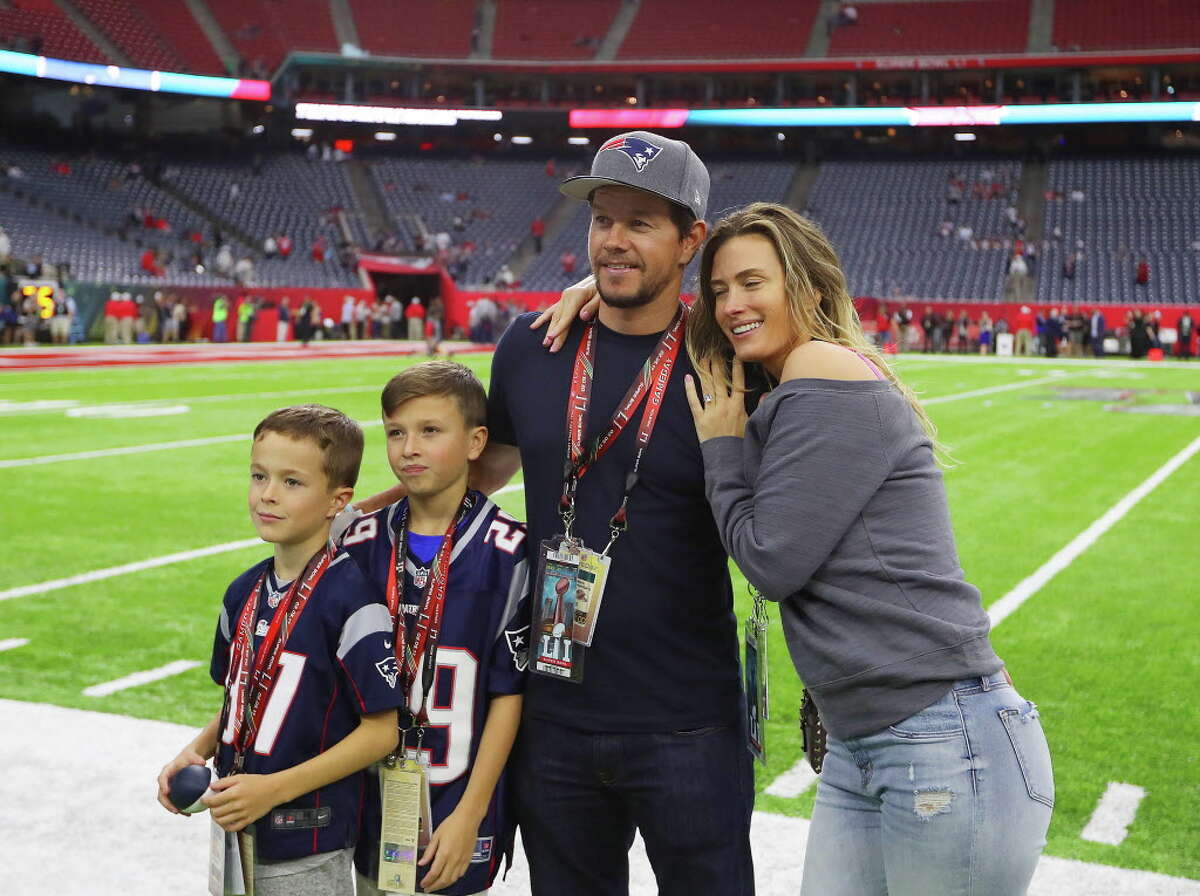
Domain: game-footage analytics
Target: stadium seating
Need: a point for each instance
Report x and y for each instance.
(422, 28)
(884, 218)
(503, 198)
(733, 184)
(1130, 209)
(162, 36)
(290, 195)
(1109, 24)
(943, 26)
(719, 29)
(43, 19)
(536, 29)
(266, 31)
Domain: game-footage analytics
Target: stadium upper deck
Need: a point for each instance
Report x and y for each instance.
(255, 36)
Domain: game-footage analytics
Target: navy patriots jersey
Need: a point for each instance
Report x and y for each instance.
(481, 654)
(337, 665)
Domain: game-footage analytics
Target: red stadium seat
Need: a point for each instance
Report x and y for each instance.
(945, 26)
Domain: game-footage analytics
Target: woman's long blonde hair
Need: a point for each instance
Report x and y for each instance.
(818, 304)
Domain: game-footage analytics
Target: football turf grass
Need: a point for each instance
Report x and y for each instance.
(1107, 648)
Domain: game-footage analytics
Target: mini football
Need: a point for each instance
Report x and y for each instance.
(187, 786)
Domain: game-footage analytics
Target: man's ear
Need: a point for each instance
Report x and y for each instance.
(692, 241)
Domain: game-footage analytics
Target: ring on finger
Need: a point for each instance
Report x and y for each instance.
(707, 398)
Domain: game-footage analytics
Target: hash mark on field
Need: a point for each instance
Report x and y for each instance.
(1114, 814)
(1030, 586)
(794, 781)
(12, 643)
(97, 575)
(135, 679)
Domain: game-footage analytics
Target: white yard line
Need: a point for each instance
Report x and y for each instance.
(136, 679)
(1009, 603)
(1114, 814)
(97, 575)
(135, 449)
(795, 781)
(36, 408)
(12, 643)
(992, 390)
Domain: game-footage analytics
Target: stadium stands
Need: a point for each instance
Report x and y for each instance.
(1124, 210)
(884, 220)
(264, 32)
(422, 28)
(733, 184)
(719, 29)
(944, 26)
(290, 195)
(500, 199)
(133, 32)
(536, 29)
(40, 26)
(1111, 25)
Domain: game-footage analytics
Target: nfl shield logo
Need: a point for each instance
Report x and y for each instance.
(421, 576)
(641, 152)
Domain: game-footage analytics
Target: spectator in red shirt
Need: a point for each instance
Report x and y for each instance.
(415, 315)
(284, 245)
(1025, 327)
(150, 263)
(537, 230)
(318, 249)
(568, 263)
(883, 326)
(1143, 272)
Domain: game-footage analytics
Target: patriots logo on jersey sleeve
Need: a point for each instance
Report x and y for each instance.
(389, 670)
(518, 646)
(641, 152)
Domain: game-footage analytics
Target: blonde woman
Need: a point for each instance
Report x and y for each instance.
(828, 497)
(938, 777)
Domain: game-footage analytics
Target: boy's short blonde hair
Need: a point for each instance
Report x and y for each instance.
(447, 378)
(339, 438)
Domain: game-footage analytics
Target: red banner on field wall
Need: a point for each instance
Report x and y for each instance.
(199, 300)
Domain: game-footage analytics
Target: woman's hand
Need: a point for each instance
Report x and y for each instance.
(720, 413)
(581, 300)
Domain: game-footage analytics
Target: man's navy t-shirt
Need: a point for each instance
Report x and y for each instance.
(664, 656)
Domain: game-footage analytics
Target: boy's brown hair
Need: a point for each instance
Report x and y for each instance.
(339, 438)
(446, 378)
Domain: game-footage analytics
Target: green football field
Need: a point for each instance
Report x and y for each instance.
(106, 467)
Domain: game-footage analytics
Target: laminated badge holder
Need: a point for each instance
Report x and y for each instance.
(758, 708)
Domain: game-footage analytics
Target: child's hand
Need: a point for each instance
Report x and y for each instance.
(241, 799)
(449, 851)
(187, 756)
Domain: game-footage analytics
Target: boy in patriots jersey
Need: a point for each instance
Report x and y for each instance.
(303, 649)
(455, 546)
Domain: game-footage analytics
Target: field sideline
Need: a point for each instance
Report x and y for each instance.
(1074, 493)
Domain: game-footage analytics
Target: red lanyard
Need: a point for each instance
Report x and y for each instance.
(255, 677)
(652, 381)
(421, 645)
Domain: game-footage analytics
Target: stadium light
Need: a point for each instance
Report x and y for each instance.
(302, 133)
(578, 141)
(897, 116)
(522, 140)
(965, 137)
(393, 115)
(385, 136)
(132, 78)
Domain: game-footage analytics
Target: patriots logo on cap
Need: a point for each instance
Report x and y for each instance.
(641, 152)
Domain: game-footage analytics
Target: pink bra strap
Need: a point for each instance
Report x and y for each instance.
(875, 370)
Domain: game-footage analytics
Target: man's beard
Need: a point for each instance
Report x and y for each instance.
(644, 296)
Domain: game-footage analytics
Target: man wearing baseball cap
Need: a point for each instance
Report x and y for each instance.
(641, 728)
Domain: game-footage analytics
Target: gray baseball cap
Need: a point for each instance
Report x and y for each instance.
(646, 161)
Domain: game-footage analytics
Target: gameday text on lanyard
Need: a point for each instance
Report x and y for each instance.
(254, 672)
(653, 380)
(420, 646)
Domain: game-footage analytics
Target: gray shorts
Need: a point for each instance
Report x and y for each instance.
(326, 874)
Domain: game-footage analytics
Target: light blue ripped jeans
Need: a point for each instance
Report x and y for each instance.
(953, 801)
